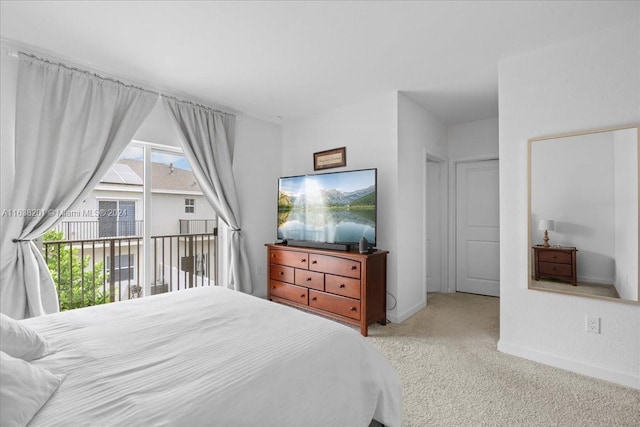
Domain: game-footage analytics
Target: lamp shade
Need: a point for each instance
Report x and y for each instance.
(546, 224)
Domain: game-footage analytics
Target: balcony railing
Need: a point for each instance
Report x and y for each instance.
(197, 226)
(183, 261)
(97, 271)
(85, 230)
(89, 230)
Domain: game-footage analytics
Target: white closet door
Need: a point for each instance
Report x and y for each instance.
(478, 228)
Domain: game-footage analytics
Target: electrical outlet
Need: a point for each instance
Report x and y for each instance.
(593, 325)
(260, 271)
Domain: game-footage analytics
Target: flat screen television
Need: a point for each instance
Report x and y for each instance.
(335, 207)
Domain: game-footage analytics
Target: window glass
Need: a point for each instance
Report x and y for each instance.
(107, 221)
(116, 218)
(102, 252)
(189, 206)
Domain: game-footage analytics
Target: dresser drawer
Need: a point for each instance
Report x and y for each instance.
(335, 265)
(555, 263)
(347, 286)
(290, 258)
(555, 256)
(281, 273)
(310, 279)
(290, 292)
(342, 286)
(555, 269)
(343, 306)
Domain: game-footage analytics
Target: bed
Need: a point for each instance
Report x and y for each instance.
(210, 357)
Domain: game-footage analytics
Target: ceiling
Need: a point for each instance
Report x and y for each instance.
(286, 60)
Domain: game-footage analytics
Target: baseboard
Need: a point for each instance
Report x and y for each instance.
(571, 365)
(407, 314)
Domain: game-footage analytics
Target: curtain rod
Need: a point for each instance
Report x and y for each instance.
(114, 80)
(89, 73)
(184, 101)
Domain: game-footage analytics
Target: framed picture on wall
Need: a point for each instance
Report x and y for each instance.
(328, 159)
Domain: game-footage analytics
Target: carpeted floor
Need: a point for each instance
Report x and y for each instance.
(582, 288)
(453, 375)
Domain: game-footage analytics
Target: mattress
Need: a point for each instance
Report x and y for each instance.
(212, 356)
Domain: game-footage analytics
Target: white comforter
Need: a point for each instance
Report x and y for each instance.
(212, 357)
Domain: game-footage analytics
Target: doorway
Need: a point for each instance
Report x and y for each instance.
(477, 228)
(436, 225)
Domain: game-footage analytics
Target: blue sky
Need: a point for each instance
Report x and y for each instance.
(343, 181)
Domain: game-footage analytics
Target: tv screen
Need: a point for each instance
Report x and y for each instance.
(337, 207)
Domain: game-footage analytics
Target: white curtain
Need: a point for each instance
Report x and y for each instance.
(71, 126)
(204, 136)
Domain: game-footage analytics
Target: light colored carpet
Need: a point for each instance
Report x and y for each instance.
(453, 375)
(582, 288)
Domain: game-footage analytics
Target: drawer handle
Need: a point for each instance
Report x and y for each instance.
(314, 299)
(303, 295)
(303, 260)
(273, 255)
(273, 287)
(354, 267)
(314, 261)
(309, 279)
(352, 308)
(342, 286)
(281, 273)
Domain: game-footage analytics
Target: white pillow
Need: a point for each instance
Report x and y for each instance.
(25, 389)
(19, 340)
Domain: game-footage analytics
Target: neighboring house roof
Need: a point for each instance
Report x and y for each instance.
(121, 173)
(163, 176)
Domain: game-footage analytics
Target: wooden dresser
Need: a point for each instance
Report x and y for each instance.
(347, 286)
(555, 263)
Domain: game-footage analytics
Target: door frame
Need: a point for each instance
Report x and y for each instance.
(453, 193)
(444, 218)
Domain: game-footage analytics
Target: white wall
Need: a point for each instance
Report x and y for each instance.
(394, 134)
(587, 83)
(368, 130)
(473, 139)
(626, 212)
(419, 134)
(8, 80)
(257, 164)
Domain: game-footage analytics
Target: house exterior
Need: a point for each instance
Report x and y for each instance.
(107, 230)
(115, 206)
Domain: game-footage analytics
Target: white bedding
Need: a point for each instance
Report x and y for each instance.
(215, 357)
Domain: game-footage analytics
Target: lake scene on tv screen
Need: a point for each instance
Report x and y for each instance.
(334, 207)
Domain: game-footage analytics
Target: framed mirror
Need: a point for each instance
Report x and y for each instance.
(583, 213)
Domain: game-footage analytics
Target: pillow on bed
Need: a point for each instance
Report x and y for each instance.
(19, 340)
(25, 388)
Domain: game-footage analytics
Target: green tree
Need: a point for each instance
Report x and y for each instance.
(77, 283)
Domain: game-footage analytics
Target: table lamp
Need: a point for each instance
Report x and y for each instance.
(546, 225)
